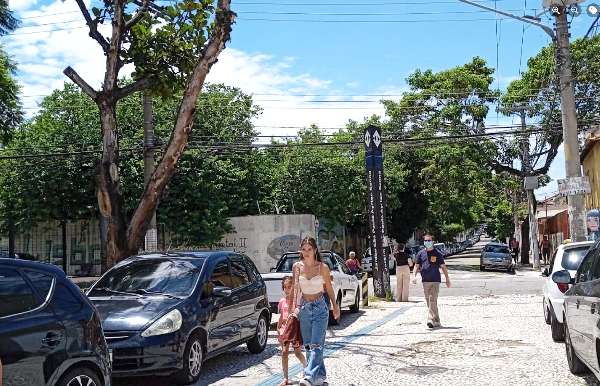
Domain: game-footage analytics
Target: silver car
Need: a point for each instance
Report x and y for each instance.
(496, 256)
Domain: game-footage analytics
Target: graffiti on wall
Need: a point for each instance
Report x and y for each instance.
(283, 244)
(331, 237)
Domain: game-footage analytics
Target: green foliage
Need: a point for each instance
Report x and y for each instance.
(448, 180)
(8, 22)
(207, 189)
(500, 225)
(11, 113)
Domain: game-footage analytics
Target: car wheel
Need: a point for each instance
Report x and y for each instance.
(258, 343)
(333, 321)
(193, 356)
(557, 328)
(575, 364)
(356, 306)
(546, 312)
(80, 376)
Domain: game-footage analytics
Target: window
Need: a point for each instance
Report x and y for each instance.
(220, 277)
(288, 262)
(572, 257)
(16, 296)
(344, 267)
(330, 261)
(253, 273)
(42, 282)
(585, 270)
(175, 277)
(68, 303)
(239, 274)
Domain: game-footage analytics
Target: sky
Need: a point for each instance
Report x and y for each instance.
(306, 62)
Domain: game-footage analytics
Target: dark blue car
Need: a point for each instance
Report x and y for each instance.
(167, 313)
(50, 334)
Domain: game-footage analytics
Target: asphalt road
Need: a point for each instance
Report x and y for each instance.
(467, 280)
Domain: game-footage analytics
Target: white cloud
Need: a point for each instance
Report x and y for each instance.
(21, 5)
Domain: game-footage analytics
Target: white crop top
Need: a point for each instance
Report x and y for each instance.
(312, 286)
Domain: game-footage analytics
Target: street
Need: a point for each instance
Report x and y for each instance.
(493, 333)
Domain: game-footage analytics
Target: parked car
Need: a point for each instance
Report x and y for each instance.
(50, 334)
(346, 286)
(581, 313)
(167, 313)
(566, 257)
(496, 256)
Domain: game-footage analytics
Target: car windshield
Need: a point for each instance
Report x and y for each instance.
(160, 276)
(497, 249)
(287, 261)
(572, 257)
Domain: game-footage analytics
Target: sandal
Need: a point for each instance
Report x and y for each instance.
(284, 382)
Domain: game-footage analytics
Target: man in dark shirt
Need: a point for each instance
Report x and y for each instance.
(428, 262)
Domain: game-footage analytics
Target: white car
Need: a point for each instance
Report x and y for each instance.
(346, 286)
(567, 257)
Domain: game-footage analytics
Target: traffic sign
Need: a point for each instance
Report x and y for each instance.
(573, 186)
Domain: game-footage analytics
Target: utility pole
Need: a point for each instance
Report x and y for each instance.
(530, 185)
(151, 234)
(576, 202)
(574, 184)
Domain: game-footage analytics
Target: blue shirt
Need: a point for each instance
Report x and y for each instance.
(430, 270)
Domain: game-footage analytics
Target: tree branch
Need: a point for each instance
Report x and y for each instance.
(78, 80)
(138, 15)
(183, 126)
(93, 26)
(138, 85)
(500, 168)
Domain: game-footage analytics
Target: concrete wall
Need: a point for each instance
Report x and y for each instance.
(265, 238)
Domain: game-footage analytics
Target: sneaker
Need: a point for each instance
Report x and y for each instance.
(430, 325)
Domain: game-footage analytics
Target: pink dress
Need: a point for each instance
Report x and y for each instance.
(284, 312)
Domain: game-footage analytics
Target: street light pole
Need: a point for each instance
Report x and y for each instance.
(575, 199)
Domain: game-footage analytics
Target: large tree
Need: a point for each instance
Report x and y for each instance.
(11, 113)
(537, 95)
(52, 161)
(168, 47)
(449, 176)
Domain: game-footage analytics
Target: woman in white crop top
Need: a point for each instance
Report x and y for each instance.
(311, 278)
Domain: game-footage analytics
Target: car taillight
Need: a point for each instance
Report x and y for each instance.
(562, 287)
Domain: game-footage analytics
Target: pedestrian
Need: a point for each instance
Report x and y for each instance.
(545, 249)
(312, 276)
(428, 263)
(287, 286)
(403, 264)
(352, 263)
(514, 246)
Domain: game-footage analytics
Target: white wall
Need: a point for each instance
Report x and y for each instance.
(265, 238)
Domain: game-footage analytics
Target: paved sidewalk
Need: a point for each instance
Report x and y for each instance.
(495, 340)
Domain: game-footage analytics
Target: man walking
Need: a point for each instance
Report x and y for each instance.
(429, 261)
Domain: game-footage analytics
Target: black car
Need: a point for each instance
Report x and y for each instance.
(50, 334)
(167, 313)
(582, 313)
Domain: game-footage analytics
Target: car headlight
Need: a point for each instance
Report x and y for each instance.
(170, 322)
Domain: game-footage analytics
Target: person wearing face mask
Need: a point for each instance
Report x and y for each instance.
(403, 264)
(428, 263)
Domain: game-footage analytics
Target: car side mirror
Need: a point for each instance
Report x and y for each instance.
(562, 277)
(545, 273)
(221, 292)
(273, 269)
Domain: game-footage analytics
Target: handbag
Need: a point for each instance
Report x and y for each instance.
(291, 332)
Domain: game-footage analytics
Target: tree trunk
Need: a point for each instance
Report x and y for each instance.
(110, 201)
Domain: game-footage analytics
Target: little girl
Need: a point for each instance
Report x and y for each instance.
(286, 285)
